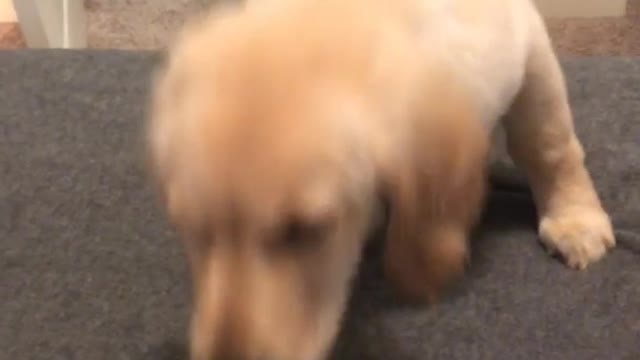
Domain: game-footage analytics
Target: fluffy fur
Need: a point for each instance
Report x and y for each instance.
(278, 126)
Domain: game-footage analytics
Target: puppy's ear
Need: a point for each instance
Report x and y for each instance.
(162, 130)
(170, 156)
(435, 191)
(184, 210)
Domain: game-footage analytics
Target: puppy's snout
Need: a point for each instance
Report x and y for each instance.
(223, 329)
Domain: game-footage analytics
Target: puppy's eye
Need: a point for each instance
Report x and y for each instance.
(298, 235)
(199, 235)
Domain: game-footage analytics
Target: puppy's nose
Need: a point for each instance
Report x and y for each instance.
(227, 355)
(227, 351)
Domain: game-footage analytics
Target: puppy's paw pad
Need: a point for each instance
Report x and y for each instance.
(580, 236)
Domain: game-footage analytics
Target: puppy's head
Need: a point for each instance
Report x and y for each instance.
(267, 142)
(266, 175)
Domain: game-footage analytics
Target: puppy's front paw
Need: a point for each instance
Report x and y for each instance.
(580, 235)
(422, 271)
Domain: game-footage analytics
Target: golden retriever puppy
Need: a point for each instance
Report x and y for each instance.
(279, 126)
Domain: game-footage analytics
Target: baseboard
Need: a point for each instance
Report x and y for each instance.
(52, 24)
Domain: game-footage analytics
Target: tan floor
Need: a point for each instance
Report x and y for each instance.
(599, 36)
(146, 24)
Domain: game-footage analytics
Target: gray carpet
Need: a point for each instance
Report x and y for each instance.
(89, 269)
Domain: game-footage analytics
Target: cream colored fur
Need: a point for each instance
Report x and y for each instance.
(278, 126)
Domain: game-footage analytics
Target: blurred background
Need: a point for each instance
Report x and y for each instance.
(578, 27)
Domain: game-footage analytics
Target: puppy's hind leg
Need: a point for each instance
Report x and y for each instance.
(542, 141)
